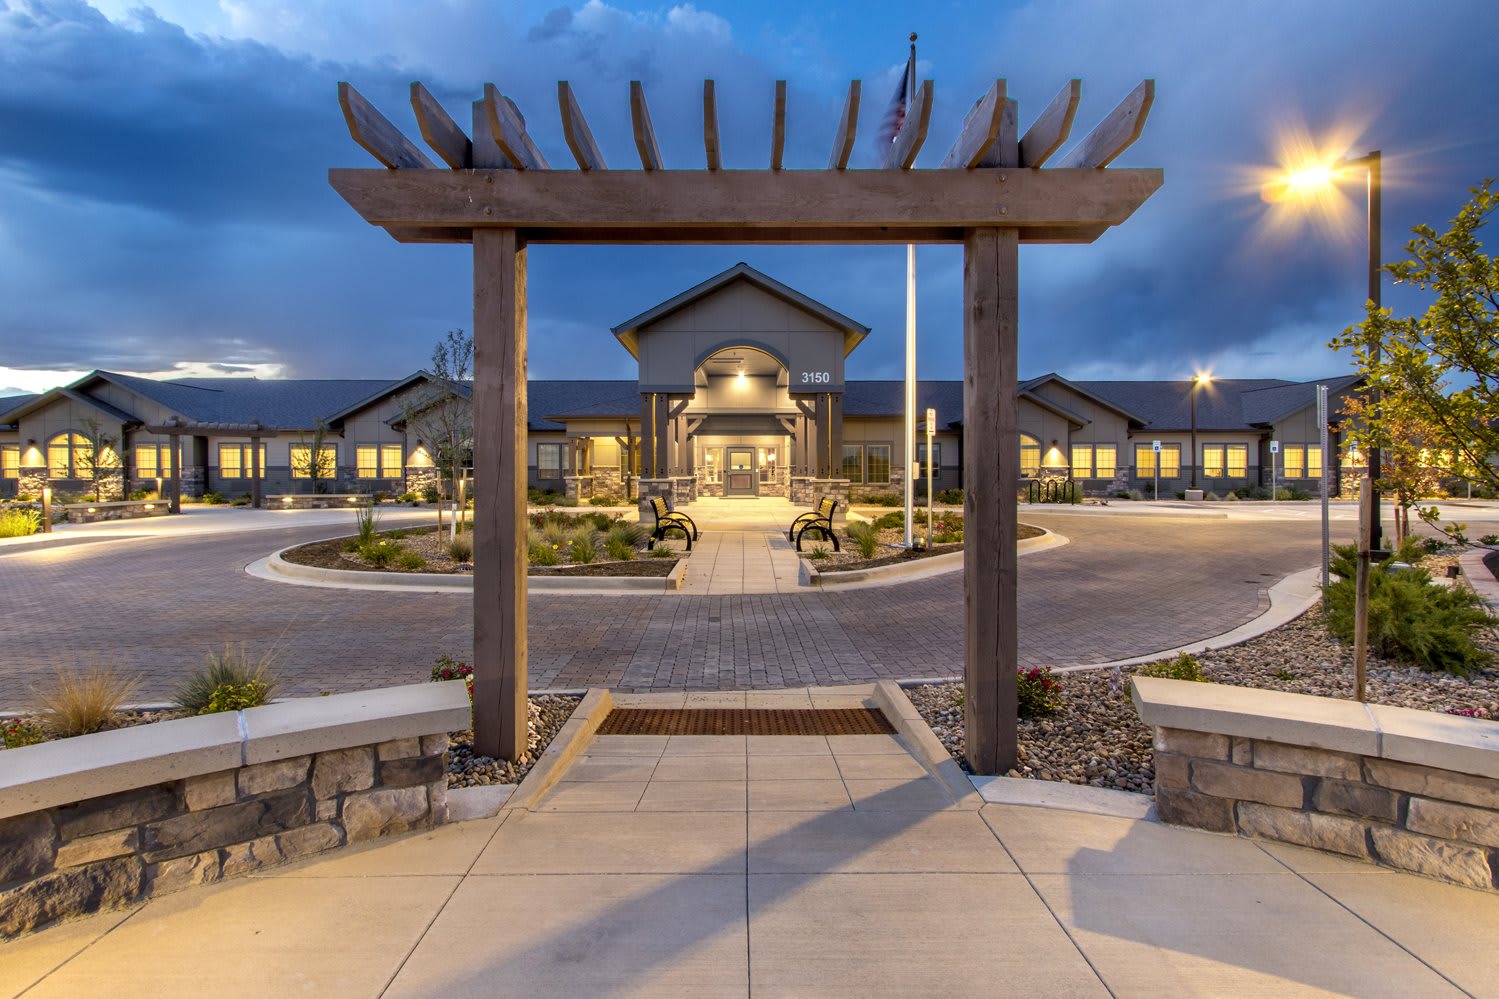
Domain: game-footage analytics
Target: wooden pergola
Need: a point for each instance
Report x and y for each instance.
(497, 191)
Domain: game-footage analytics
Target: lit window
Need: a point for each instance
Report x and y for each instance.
(1238, 461)
(69, 454)
(1105, 461)
(1212, 461)
(1171, 461)
(877, 463)
(549, 461)
(1030, 455)
(236, 461)
(367, 462)
(10, 461)
(1293, 461)
(391, 466)
(853, 462)
(153, 461)
(1082, 461)
(1314, 462)
(302, 466)
(936, 459)
(1144, 461)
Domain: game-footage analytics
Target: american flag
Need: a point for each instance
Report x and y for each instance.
(895, 114)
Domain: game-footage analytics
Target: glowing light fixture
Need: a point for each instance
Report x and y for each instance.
(286, 501)
(740, 377)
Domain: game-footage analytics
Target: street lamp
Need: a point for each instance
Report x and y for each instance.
(1198, 381)
(1310, 180)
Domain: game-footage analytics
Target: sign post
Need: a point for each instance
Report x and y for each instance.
(931, 429)
(1274, 450)
(1322, 443)
(1156, 447)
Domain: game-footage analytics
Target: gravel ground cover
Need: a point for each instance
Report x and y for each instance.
(892, 549)
(1097, 739)
(548, 713)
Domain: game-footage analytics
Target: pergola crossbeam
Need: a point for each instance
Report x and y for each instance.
(980, 129)
(848, 127)
(377, 135)
(778, 126)
(711, 145)
(912, 135)
(439, 130)
(1116, 133)
(645, 132)
(576, 131)
(507, 127)
(1051, 127)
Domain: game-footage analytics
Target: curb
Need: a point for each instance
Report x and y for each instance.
(569, 742)
(924, 744)
(936, 565)
(1478, 577)
(1065, 797)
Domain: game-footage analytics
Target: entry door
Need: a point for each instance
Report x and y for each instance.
(739, 472)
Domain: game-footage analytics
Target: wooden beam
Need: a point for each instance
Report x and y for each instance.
(733, 236)
(377, 135)
(912, 134)
(485, 153)
(499, 394)
(710, 126)
(980, 129)
(645, 132)
(778, 126)
(575, 129)
(991, 473)
(508, 128)
(1051, 127)
(1116, 133)
(439, 130)
(1005, 152)
(881, 203)
(848, 127)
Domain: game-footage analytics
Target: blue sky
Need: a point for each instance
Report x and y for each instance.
(164, 203)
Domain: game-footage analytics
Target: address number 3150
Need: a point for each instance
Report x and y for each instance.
(816, 377)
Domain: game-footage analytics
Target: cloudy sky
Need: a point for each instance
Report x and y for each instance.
(164, 202)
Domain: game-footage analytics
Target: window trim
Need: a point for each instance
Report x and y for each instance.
(10, 461)
(889, 450)
(561, 459)
(858, 477)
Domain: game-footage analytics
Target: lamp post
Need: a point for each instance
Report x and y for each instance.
(1318, 177)
(1198, 381)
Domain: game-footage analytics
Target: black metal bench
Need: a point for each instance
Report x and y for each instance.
(819, 521)
(668, 519)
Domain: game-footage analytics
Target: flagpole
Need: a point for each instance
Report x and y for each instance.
(910, 448)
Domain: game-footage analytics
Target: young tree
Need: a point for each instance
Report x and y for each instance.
(1438, 374)
(100, 459)
(313, 459)
(442, 416)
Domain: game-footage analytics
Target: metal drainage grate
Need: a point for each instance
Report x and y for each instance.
(744, 721)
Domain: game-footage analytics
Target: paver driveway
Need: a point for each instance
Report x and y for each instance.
(1126, 585)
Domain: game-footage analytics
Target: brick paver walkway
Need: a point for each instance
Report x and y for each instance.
(1126, 585)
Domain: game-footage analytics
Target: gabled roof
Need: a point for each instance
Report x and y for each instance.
(1223, 404)
(1028, 387)
(887, 398)
(1267, 407)
(628, 331)
(36, 402)
(551, 401)
(9, 404)
(388, 389)
(289, 404)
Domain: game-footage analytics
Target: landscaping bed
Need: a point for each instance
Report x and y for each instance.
(548, 713)
(1097, 739)
(887, 535)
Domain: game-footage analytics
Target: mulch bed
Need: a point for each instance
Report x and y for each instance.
(649, 566)
(891, 540)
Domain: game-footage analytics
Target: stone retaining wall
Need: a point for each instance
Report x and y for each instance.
(104, 820)
(316, 501)
(88, 513)
(1374, 783)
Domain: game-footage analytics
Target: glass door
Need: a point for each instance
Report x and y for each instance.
(739, 472)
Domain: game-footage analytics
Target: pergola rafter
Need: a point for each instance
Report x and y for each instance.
(990, 194)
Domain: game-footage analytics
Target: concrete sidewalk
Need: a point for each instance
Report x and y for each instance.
(725, 866)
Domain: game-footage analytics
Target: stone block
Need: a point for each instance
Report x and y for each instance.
(308, 840)
(1435, 858)
(1448, 821)
(1241, 751)
(70, 892)
(1204, 745)
(196, 832)
(183, 872)
(326, 809)
(26, 846)
(437, 800)
(209, 790)
(416, 770)
(371, 814)
(1171, 771)
(277, 775)
(116, 811)
(1429, 783)
(1187, 808)
(434, 745)
(1362, 800)
(1301, 760)
(1334, 833)
(1224, 780)
(399, 749)
(100, 847)
(242, 858)
(343, 770)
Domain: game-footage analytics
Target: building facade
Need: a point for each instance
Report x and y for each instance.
(741, 392)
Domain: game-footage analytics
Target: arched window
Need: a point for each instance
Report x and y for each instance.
(1030, 455)
(68, 456)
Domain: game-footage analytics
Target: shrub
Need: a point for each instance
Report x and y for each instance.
(429, 494)
(1231, 497)
(241, 501)
(461, 549)
(379, 553)
(410, 561)
(544, 497)
(866, 537)
(351, 545)
(895, 520)
(626, 533)
(19, 522)
(618, 550)
(1410, 618)
(581, 545)
(396, 534)
(663, 553)
(237, 697)
(1183, 667)
(818, 553)
(1038, 691)
(409, 498)
(1489, 539)
(213, 499)
(1210, 497)
(884, 499)
(952, 497)
(18, 732)
(608, 501)
(448, 668)
(77, 703)
(566, 501)
(137, 495)
(233, 668)
(1136, 494)
(542, 553)
(366, 520)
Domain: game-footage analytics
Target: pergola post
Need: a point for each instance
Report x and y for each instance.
(500, 708)
(991, 458)
(176, 479)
